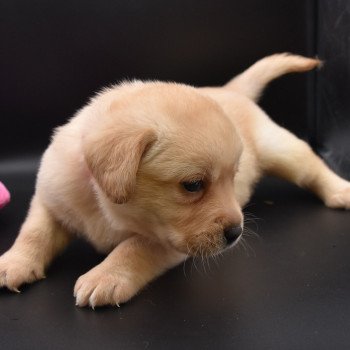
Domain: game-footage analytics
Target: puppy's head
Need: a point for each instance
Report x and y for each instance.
(171, 168)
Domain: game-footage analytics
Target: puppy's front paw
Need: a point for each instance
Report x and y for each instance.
(339, 200)
(16, 269)
(99, 287)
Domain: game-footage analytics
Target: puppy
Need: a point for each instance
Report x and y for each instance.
(152, 173)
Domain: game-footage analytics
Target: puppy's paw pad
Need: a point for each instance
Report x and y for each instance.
(102, 288)
(16, 270)
(340, 200)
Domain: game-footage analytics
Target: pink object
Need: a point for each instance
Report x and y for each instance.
(4, 195)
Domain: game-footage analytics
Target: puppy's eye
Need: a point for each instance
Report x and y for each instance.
(193, 186)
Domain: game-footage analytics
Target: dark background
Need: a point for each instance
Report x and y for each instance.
(331, 123)
(55, 55)
(289, 286)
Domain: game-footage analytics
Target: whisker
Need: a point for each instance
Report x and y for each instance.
(248, 247)
(184, 268)
(250, 233)
(251, 215)
(250, 204)
(243, 244)
(251, 221)
(202, 257)
(194, 261)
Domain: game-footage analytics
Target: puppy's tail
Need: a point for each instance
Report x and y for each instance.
(252, 81)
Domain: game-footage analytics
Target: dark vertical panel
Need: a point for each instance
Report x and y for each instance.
(312, 20)
(332, 127)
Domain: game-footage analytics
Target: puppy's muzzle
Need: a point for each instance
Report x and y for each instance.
(232, 234)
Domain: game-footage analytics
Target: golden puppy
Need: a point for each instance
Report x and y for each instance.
(153, 172)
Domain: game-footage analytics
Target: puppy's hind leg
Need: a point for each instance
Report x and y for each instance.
(283, 154)
(39, 240)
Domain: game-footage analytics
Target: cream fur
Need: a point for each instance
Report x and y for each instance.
(113, 174)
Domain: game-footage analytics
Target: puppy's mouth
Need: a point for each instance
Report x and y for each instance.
(206, 245)
(200, 251)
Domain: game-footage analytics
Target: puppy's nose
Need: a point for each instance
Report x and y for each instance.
(232, 233)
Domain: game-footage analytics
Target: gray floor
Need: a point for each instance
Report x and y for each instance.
(288, 288)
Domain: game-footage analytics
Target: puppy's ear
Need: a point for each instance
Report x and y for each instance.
(113, 157)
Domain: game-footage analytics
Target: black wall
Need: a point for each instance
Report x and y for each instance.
(331, 127)
(55, 54)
